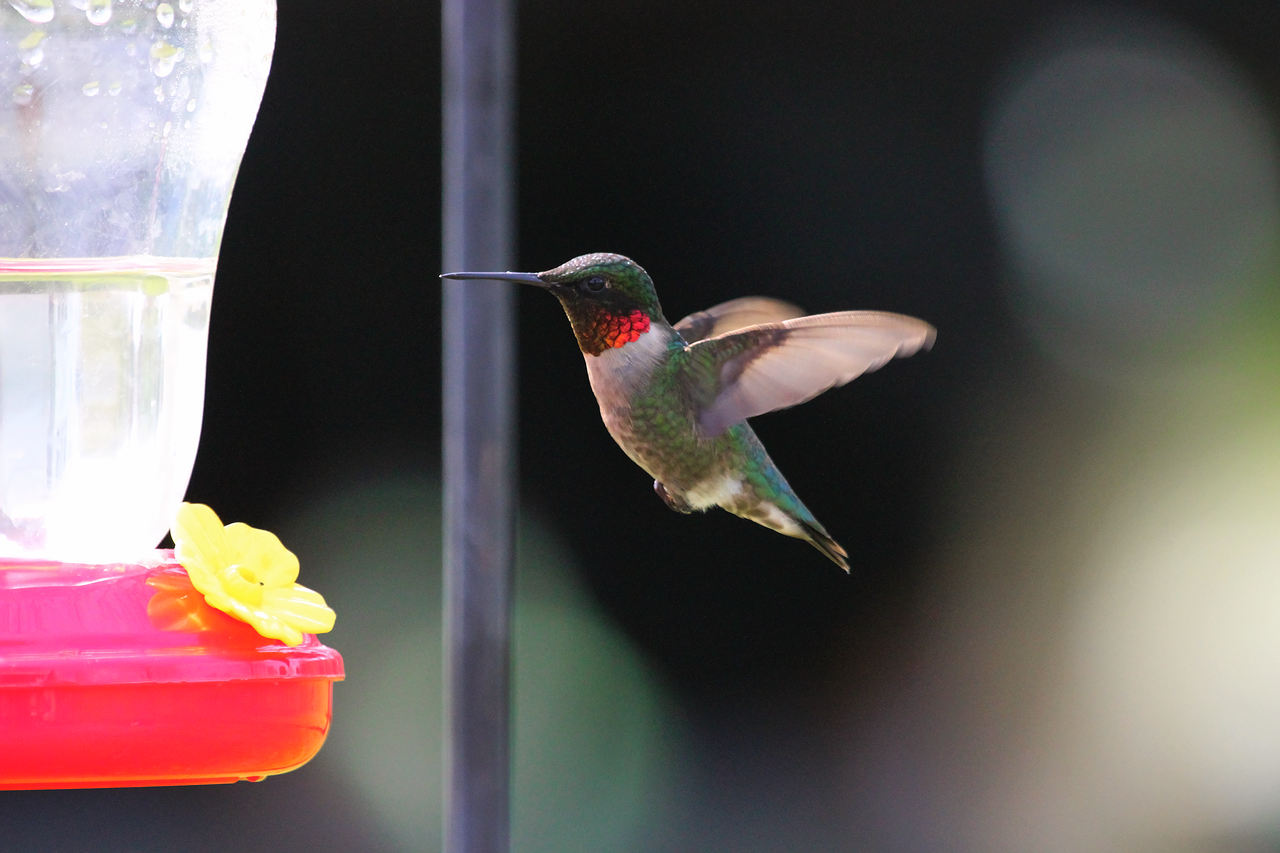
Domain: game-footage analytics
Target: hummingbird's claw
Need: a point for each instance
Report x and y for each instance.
(678, 504)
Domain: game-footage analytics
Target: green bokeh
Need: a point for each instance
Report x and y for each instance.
(592, 731)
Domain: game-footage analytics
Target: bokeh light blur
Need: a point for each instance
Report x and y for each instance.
(1132, 170)
(593, 729)
(1111, 638)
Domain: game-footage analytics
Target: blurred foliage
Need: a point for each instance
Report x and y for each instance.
(592, 751)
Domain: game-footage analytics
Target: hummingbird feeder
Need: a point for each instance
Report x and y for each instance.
(122, 124)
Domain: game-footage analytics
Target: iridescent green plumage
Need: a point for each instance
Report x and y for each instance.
(676, 398)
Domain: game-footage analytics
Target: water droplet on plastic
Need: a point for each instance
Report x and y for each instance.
(99, 12)
(80, 4)
(165, 132)
(164, 14)
(129, 26)
(35, 11)
(23, 94)
(187, 123)
(32, 56)
(114, 89)
(90, 88)
(164, 56)
(30, 51)
(206, 51)
(185, 5)
(191, 105)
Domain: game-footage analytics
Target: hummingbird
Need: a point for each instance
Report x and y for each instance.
(676, 398)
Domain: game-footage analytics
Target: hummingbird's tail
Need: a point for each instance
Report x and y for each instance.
(759, 492)
(820, 539)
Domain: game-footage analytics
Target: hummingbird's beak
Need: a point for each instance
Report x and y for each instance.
(525, 277)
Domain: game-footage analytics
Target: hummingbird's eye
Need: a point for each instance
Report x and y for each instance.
(595, 284)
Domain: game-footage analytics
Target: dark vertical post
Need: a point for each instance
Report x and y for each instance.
(479, 409)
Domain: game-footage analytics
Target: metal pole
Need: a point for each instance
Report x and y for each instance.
(479, 409)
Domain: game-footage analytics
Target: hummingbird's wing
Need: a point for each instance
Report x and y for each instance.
(750, 371)
(735, 314)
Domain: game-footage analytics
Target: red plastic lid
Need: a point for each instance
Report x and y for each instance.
(66, 623)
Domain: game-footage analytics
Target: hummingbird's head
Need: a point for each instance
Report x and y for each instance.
(610, 299)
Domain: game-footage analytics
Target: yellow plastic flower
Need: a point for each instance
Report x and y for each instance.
(248, 574)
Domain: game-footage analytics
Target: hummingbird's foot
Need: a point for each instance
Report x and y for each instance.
(672, 502)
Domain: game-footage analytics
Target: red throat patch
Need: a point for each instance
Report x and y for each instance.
(610, 331)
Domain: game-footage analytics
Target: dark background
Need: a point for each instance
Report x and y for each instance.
(822, 152)
(825, 153)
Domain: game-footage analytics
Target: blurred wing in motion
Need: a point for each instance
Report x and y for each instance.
(771, 366)
(735, 314)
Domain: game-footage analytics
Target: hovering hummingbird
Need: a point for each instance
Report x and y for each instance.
(676, 398)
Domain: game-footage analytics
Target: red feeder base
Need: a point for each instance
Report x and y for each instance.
(99, 689)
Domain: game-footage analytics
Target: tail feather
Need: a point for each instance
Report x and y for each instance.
(818, 538)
